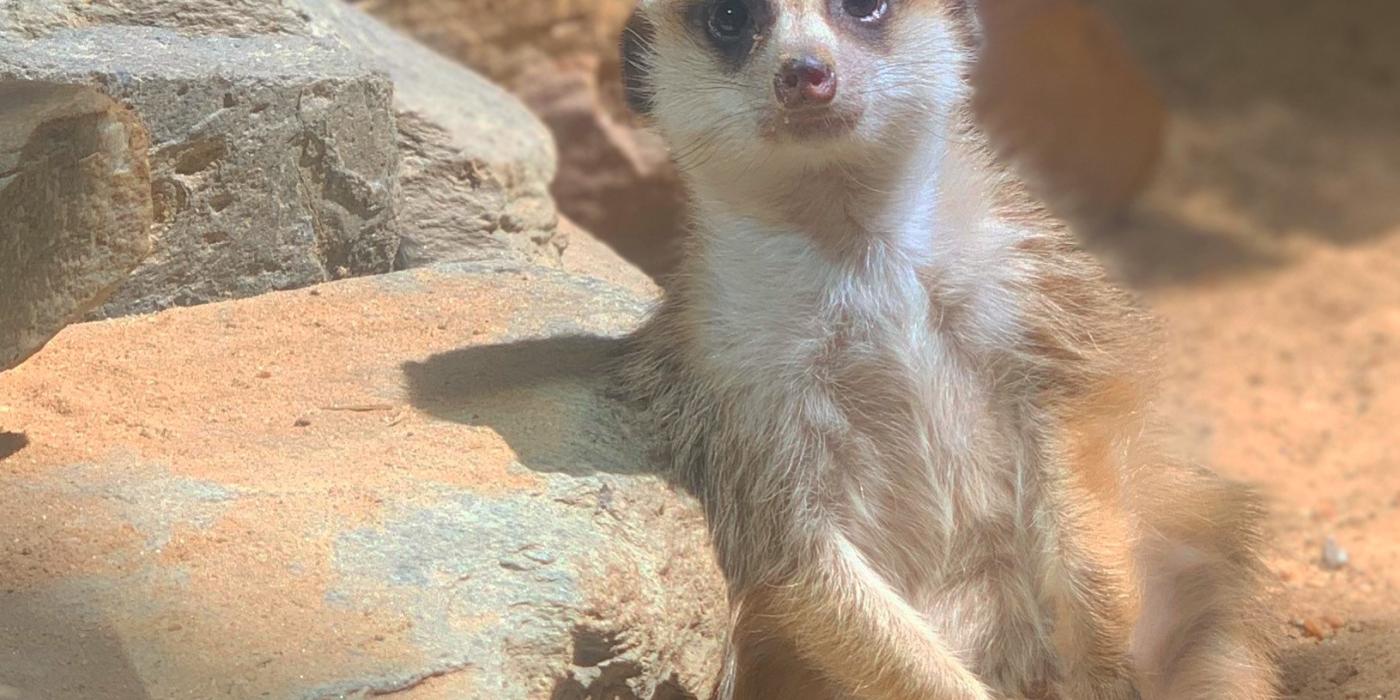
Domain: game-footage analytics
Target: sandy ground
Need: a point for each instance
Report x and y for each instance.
(1271, 247)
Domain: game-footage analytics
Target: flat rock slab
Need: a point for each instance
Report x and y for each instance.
(274, 161)
(75, 207)
(413, 483)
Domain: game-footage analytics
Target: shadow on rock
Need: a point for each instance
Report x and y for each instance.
(11, 444)
(553, 400)
(58, 652)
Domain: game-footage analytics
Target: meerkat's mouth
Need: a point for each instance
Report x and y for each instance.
(810, 124)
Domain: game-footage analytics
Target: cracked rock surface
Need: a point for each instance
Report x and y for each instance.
(294, 142)
(412, 485)
(273, 164)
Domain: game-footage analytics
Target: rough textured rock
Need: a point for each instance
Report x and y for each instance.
(75, 207)
(476, 165)
(561, 57)
(240, 18)
(273, 159)
(407, 483)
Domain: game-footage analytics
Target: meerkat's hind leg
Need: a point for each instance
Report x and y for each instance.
(760, 666)
(1201, 632)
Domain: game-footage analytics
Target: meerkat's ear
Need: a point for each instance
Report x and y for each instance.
(637, 57)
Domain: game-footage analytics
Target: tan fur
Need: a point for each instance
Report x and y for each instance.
(916, 414)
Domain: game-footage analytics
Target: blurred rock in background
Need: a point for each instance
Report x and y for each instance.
(1061, 93)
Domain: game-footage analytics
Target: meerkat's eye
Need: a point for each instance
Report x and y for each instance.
(728, 20)
(866, 10)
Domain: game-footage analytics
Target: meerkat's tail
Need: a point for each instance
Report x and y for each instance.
(1201, 634)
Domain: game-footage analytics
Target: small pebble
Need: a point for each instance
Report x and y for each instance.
(540, 557)
(1334, 558)
(1315, 628)
(303, 423)
(1334, 621)
(264, 374)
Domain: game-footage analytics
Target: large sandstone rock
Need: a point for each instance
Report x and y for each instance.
(588, 255)
(471, 181)
(75, 206)
(35, 19)
(414, 483)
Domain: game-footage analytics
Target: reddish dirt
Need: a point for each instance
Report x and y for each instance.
(1270, 244)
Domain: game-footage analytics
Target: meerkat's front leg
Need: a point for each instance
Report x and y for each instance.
(865, 637)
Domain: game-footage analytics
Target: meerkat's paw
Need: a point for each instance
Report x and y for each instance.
(1114, 687)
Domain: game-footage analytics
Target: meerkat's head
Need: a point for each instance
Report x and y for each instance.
(751, 81)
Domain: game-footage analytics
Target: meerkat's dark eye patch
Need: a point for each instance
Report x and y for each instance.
(866, 10)
(729, 21)
(731, 28)
(865, 20)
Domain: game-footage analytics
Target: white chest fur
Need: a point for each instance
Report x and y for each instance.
(771, 298)
(864, 353)
(914, 445)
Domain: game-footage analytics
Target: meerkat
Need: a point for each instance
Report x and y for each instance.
(915, 413)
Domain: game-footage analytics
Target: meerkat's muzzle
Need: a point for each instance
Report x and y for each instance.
(807, 81)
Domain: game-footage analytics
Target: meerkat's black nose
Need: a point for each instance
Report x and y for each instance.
(804, 82)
